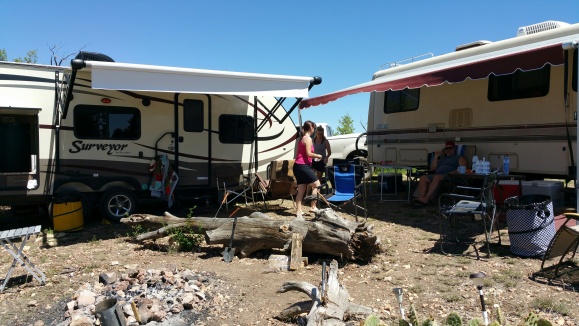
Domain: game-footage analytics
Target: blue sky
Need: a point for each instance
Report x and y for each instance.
(344, 42)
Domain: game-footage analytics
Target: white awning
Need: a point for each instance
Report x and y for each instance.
(525, 53)
(136, 77)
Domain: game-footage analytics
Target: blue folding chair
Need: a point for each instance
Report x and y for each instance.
(347, 188)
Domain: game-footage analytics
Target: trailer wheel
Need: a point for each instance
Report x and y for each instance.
(118, 203)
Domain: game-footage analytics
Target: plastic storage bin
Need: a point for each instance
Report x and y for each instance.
(530, 221)
(67, 213)
(553, 189)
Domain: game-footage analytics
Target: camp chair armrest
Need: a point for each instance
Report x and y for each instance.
(572, 216)
(468, 188)
(461, 196)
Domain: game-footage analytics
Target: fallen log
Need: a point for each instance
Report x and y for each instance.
(329, 303)
(328, 233)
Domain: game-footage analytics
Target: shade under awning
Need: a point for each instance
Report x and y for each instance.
(504, 57)
(136, 77)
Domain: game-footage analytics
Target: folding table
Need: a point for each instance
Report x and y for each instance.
(18, 254)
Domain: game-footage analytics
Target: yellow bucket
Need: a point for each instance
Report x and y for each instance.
(67, 215)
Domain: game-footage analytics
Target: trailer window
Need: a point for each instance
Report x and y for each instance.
(106, 122)
(401, 101)
(193, 118)
(520, 84)
(236, 129)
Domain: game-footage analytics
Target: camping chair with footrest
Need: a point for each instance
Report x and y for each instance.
(564, 242)
(476, 202)
(348, 186)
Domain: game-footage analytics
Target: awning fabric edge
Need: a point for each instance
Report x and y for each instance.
(135, 77)
(524, 60)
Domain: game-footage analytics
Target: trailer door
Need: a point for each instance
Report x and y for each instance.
(19, 149)
(194, 137)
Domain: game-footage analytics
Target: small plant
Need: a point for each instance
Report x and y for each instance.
(185, 239)
(372, 320)
(453, 297)
(544, 322)
(475, 322)
(137, 230)
(531, 319)
(429, 322)
(548, 305)
(500, 316)
(453, 320)
(494, 323)
(412, 316)
(402, 322)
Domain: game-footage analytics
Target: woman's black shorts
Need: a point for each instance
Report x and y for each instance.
(304, 174)
(319, 166)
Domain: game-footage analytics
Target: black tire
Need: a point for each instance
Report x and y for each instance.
(117, 203)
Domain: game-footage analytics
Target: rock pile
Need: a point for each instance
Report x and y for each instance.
(144, 296)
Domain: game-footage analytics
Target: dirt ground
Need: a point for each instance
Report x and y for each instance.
(435, 283)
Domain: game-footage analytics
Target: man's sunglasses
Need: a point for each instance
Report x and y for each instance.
(448, 148)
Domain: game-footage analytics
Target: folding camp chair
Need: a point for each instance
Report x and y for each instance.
(246, 190)
(7, 239)
(472, 202)
(466, 151)
(564, 242)
(348, 185)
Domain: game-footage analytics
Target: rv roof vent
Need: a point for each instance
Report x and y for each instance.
(472, 45)
(93, 56)
(540, 27)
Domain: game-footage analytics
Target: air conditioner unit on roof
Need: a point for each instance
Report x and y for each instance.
(540, 27)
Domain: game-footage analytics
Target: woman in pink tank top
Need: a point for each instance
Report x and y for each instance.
(302, 168)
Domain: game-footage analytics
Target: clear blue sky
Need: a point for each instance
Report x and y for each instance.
(344, 42)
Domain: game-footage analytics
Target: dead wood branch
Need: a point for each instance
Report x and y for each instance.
(328, 308)
(327, 234)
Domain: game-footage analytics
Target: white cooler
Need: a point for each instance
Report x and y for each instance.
(554, 189)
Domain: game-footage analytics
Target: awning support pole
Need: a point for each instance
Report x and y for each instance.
(573, 46)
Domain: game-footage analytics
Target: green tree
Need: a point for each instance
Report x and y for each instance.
(3, 56)
(31, 57)
(346, 125)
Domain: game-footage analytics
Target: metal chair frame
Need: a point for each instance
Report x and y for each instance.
(477, 202)
(565, 241)
(17, 253)
(344, 194)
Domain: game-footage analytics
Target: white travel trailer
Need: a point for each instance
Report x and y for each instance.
(515, 97)
(96, 128)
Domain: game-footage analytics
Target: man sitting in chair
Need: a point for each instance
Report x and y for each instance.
(442, 164)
